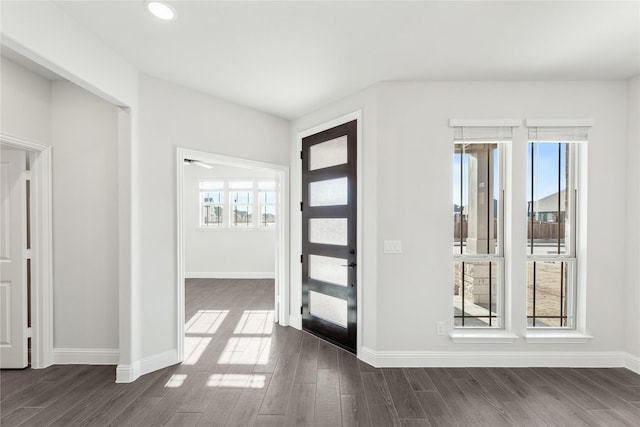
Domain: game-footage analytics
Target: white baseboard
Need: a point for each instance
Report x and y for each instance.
(295, 321)
(632, 362)
(506, 359)
(158, 361)
(86, 356)
(127, 373)
(230, 275)
(130, 373)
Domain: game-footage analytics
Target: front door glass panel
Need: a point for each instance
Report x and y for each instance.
(328, 269)
(331, 192)
(328, 231)
(328, 153)
(328, 308)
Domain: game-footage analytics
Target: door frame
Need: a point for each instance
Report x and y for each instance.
(281, 293)
(41, 249)
(296, 231)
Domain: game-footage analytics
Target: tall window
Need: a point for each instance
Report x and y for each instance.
(477, 226)
(211, 204)
(241, 198)
(552, 187)
(267, 203)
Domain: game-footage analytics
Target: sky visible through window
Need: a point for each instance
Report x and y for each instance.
(546, 172)
(545, 162)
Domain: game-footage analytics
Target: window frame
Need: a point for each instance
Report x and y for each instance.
(262, 204)
(250, 225)
(499, 257)
(202, 204)
(570, 257)
(228, 205)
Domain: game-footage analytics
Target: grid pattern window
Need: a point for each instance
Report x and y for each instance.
(478, 158)
(241, 199)
(212, 204)
(552, 188)
(267, 198)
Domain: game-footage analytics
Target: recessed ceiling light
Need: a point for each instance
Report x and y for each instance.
(161, 10)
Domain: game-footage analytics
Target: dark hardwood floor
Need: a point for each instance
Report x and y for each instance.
(242, 370)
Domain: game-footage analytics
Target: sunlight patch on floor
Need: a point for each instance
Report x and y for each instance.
(176, 380)
(255, 322)
(206, 321)
(246, 351)
(193, 349)
(237, 380)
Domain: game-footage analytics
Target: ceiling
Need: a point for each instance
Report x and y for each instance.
(289, 58)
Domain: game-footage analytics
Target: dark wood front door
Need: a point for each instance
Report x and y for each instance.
(329, 304)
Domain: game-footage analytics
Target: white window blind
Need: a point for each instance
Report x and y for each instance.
(558, 133)
(482, 133)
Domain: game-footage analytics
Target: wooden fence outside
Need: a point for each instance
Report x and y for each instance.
(541, 230)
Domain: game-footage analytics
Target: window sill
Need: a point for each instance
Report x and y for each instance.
(556, 337)
(482, 336)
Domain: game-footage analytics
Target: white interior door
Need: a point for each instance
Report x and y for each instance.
(13, 289)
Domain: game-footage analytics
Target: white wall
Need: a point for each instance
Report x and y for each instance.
(82, 130)
(84, 134)
(415, 147)
(25, 104)
(411, 162)
(224, 252)
(171, 117)
(75, 53)
(632, 259)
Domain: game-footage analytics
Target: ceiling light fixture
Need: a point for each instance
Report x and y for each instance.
(161, 10)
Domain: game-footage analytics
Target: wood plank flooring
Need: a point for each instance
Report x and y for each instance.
(243, 370)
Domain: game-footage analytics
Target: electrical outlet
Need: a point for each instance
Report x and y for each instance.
(439, 328)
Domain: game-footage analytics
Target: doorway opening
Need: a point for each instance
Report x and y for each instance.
(255, 201)
(33, 327)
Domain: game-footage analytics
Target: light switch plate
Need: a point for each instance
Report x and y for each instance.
(392, 246)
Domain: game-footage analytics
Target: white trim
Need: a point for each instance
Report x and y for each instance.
(557, 336)
(22, 144)
(632, 362)
(559, 122)
(230, 275)
(485, 122)
(494, 359)
(42, 243)
(130, 373)
(482, 336)
(127, 373)
(356, 115)
(281, 274)
(158, 361)
(295, 318)
(86, 356)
